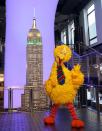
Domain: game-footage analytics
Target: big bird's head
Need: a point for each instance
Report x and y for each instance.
(62, 53)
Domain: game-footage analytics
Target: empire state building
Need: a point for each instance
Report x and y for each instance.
(34, 96)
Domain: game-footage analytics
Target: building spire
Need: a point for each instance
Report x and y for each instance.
(34, 21)
(34, 12)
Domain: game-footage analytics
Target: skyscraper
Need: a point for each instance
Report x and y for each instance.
(34, 96)
(34, 73)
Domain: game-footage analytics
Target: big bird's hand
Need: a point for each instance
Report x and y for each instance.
(76, 71)
(77, 68)
(77, 76)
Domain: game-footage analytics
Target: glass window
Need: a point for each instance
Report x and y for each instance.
(63, 37)
(72, 33)
(92, 24)
(90, 9)
(91, 94)
(71, 29)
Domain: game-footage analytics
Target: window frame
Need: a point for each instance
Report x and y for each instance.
(89, 40)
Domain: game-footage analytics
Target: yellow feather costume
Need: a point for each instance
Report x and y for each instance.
(62, 94)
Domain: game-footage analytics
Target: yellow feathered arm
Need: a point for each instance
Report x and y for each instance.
(52, 81)
(77, 76)
(48, 87)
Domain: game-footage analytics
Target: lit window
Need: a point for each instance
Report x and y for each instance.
(63, 37)
(71, 29)
(90, 9)
(72, 33)
(92, 24)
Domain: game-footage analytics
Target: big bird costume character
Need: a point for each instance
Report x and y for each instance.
(63, 84)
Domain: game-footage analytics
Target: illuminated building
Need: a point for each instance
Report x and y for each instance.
(34, 96)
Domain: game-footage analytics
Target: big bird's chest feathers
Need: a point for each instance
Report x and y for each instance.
(63, 88)
(63, 93)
